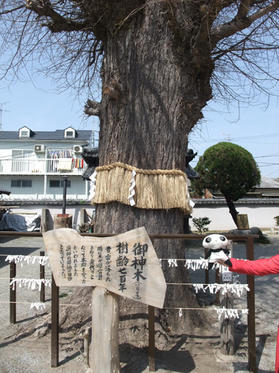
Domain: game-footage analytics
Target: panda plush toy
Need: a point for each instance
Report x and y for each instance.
(218, 248)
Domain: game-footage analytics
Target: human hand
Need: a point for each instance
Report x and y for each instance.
(222, 262)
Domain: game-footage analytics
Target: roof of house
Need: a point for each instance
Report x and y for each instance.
(46, 135)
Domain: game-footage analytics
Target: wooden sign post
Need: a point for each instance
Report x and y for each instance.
(125, 264)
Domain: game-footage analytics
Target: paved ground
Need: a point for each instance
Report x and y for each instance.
(27, 354)
(196, 353)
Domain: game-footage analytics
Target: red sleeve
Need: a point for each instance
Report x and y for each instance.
(258, 267)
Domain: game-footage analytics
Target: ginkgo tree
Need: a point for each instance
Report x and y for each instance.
(159, 62)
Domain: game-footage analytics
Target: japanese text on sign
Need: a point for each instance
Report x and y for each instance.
(125, 264)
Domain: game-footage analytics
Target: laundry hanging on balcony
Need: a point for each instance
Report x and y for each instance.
(78, 163)
(65, 164)
(60, 160)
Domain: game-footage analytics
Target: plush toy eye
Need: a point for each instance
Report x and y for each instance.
(208, 239)
(222, 238)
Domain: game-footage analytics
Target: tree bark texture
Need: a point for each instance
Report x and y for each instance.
(153, 93)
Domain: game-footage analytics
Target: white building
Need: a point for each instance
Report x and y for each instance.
(33, 163)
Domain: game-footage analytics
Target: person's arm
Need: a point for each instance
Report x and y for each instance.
(258, 267)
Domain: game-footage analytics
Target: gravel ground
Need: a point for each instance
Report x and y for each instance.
(197, 353)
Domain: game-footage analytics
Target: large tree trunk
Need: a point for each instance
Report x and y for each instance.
(151, 99)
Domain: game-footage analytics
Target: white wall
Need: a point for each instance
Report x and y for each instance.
(78, 187)
(258, 216)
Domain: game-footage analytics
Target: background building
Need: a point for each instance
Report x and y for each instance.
(33, 163)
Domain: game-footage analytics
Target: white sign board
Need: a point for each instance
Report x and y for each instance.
(125, 264)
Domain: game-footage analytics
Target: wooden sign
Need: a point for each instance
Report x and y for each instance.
(125, 264)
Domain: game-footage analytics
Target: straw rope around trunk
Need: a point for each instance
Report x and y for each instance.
(147, 189)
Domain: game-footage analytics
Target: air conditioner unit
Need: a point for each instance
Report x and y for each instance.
(77, 148)
(39, 148)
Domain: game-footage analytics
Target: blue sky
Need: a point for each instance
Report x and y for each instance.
(254, 127)
(41, 107)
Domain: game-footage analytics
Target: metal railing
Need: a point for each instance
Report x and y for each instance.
(42, 166)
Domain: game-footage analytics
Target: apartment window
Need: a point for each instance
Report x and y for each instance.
(22, 153)
(21, 183)
(70, 133)
(58, 183)
(21, 160)
(24, 132)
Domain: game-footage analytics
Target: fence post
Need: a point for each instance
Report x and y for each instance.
(251, 311)
(206, 271)
(60, 221)
(151, 337)
(12, 294)
(242, 221)
(227, 339)
(47, 224)
(42, 277)
(217, 280)
(46, 221)
(54, 324)
(83, 217)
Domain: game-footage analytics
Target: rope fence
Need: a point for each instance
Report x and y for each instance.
(248, 240)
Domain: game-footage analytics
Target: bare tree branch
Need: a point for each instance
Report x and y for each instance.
(92, 108)
(70, 47)
(243, 9)
(58, 23)
(239, 24)
(7, 11)
(241, 44)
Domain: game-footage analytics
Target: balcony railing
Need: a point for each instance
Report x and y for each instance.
(12, 166)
